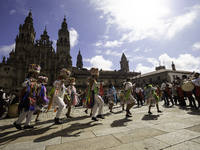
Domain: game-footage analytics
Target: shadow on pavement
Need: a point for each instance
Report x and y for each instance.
(150, 117)
(120, 122)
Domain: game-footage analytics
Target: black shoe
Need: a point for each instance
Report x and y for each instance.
(122, 109)
(37, 120)
(128, 115)
(95, 119)
(128, 112)
(159, 111)
(111, 111)
(57, 121)
(100, 116)
(86, 111)
(150, 112)
(28, 127)
(90, 114)
(69, 116)
(18, 126)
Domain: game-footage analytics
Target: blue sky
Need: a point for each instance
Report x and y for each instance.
(149, 32)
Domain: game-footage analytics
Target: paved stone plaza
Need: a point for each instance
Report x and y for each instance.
(174, 129)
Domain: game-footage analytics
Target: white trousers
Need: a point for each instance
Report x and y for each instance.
(58, 101)
(98, 101)
(23, 115)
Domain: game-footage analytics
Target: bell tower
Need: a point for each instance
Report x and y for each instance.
(79, 63)
(63, 46)
(25, 39)
(124, 63)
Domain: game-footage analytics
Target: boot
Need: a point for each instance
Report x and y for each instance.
(57, 121)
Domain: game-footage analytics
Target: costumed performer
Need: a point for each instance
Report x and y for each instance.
(28, 98)
(86, 103)
(71, 97)
(111, 96)
(151, 97)
(128, 98)
(41, 95)
(94, 94)
(58, 97)
(139, 95)
(196, 82)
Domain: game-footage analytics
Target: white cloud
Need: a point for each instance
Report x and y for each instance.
(143, 19)
(196, 46)
(6, 49)
(136, 50)
(84, 59)
(147, 50)
(184, 62)
(113, 53)
(113, 44)
(101, 63)
(12, 11)
(98, 44)
(143, 69)
(98, 51)
(73, 37)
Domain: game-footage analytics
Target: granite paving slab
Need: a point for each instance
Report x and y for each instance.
(185, 146)
(177, 136)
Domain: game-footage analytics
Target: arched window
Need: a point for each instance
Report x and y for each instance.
(52, 78)
(61, 40)
(42, 64)
(65, 40)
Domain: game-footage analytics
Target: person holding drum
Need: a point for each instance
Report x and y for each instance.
(188, 92)
(167, 93)
(180, 92)
(196, 82)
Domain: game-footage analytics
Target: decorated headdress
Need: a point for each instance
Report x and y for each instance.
(94, 71)
(65, 73)
(71, 80)
(34, 68)
(42, 79)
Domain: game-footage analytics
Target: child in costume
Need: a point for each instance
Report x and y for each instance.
(72, 97)
(28, 99)
(151, 97)
(58, 97)
(41, 95)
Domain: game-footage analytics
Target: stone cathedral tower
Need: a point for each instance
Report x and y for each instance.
(124, 64)
(79, 63)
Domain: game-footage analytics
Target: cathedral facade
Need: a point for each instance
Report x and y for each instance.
(27, 51)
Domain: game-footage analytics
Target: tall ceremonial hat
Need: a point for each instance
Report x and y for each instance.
(42, 79)
(65, 73)
(34, 68)
(71, 80)
(94, 71)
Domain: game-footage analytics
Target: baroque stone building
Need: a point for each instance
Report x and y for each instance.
(27, 50)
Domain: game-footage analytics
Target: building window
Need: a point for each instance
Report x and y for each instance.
(138, 80)
(52, 78)
(42, 64)
(143, 81)
(43, 56)
(158, 77)
(61, 40)
(65, 40)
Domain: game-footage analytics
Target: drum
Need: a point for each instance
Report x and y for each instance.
(187, 86)
(13, 110)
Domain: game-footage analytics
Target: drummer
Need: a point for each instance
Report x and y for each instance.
(180, 92)
(196, 81)
(189, 94)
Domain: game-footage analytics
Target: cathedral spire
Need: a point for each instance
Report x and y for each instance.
(124, 63)
(79, 63)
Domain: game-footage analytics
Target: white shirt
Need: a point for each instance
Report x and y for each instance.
(128, 86)
(196, 81)
(138, 89)
(163, 86)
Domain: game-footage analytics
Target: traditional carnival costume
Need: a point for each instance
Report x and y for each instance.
(93, 98)
(120, 95)
(128, 97)
(59, 92)
(167, 92)
(180, 92)
(151, 97)
(111, 97)
(89, 104)
(41, 95)
(71, 97)
(28, 98)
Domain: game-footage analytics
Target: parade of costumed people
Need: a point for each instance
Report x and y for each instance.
(151, 97)
(41, 96)
(111, 96)
(128, 98)
(28, 100)
(71, 97)
(59, 89)
(93, 98)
